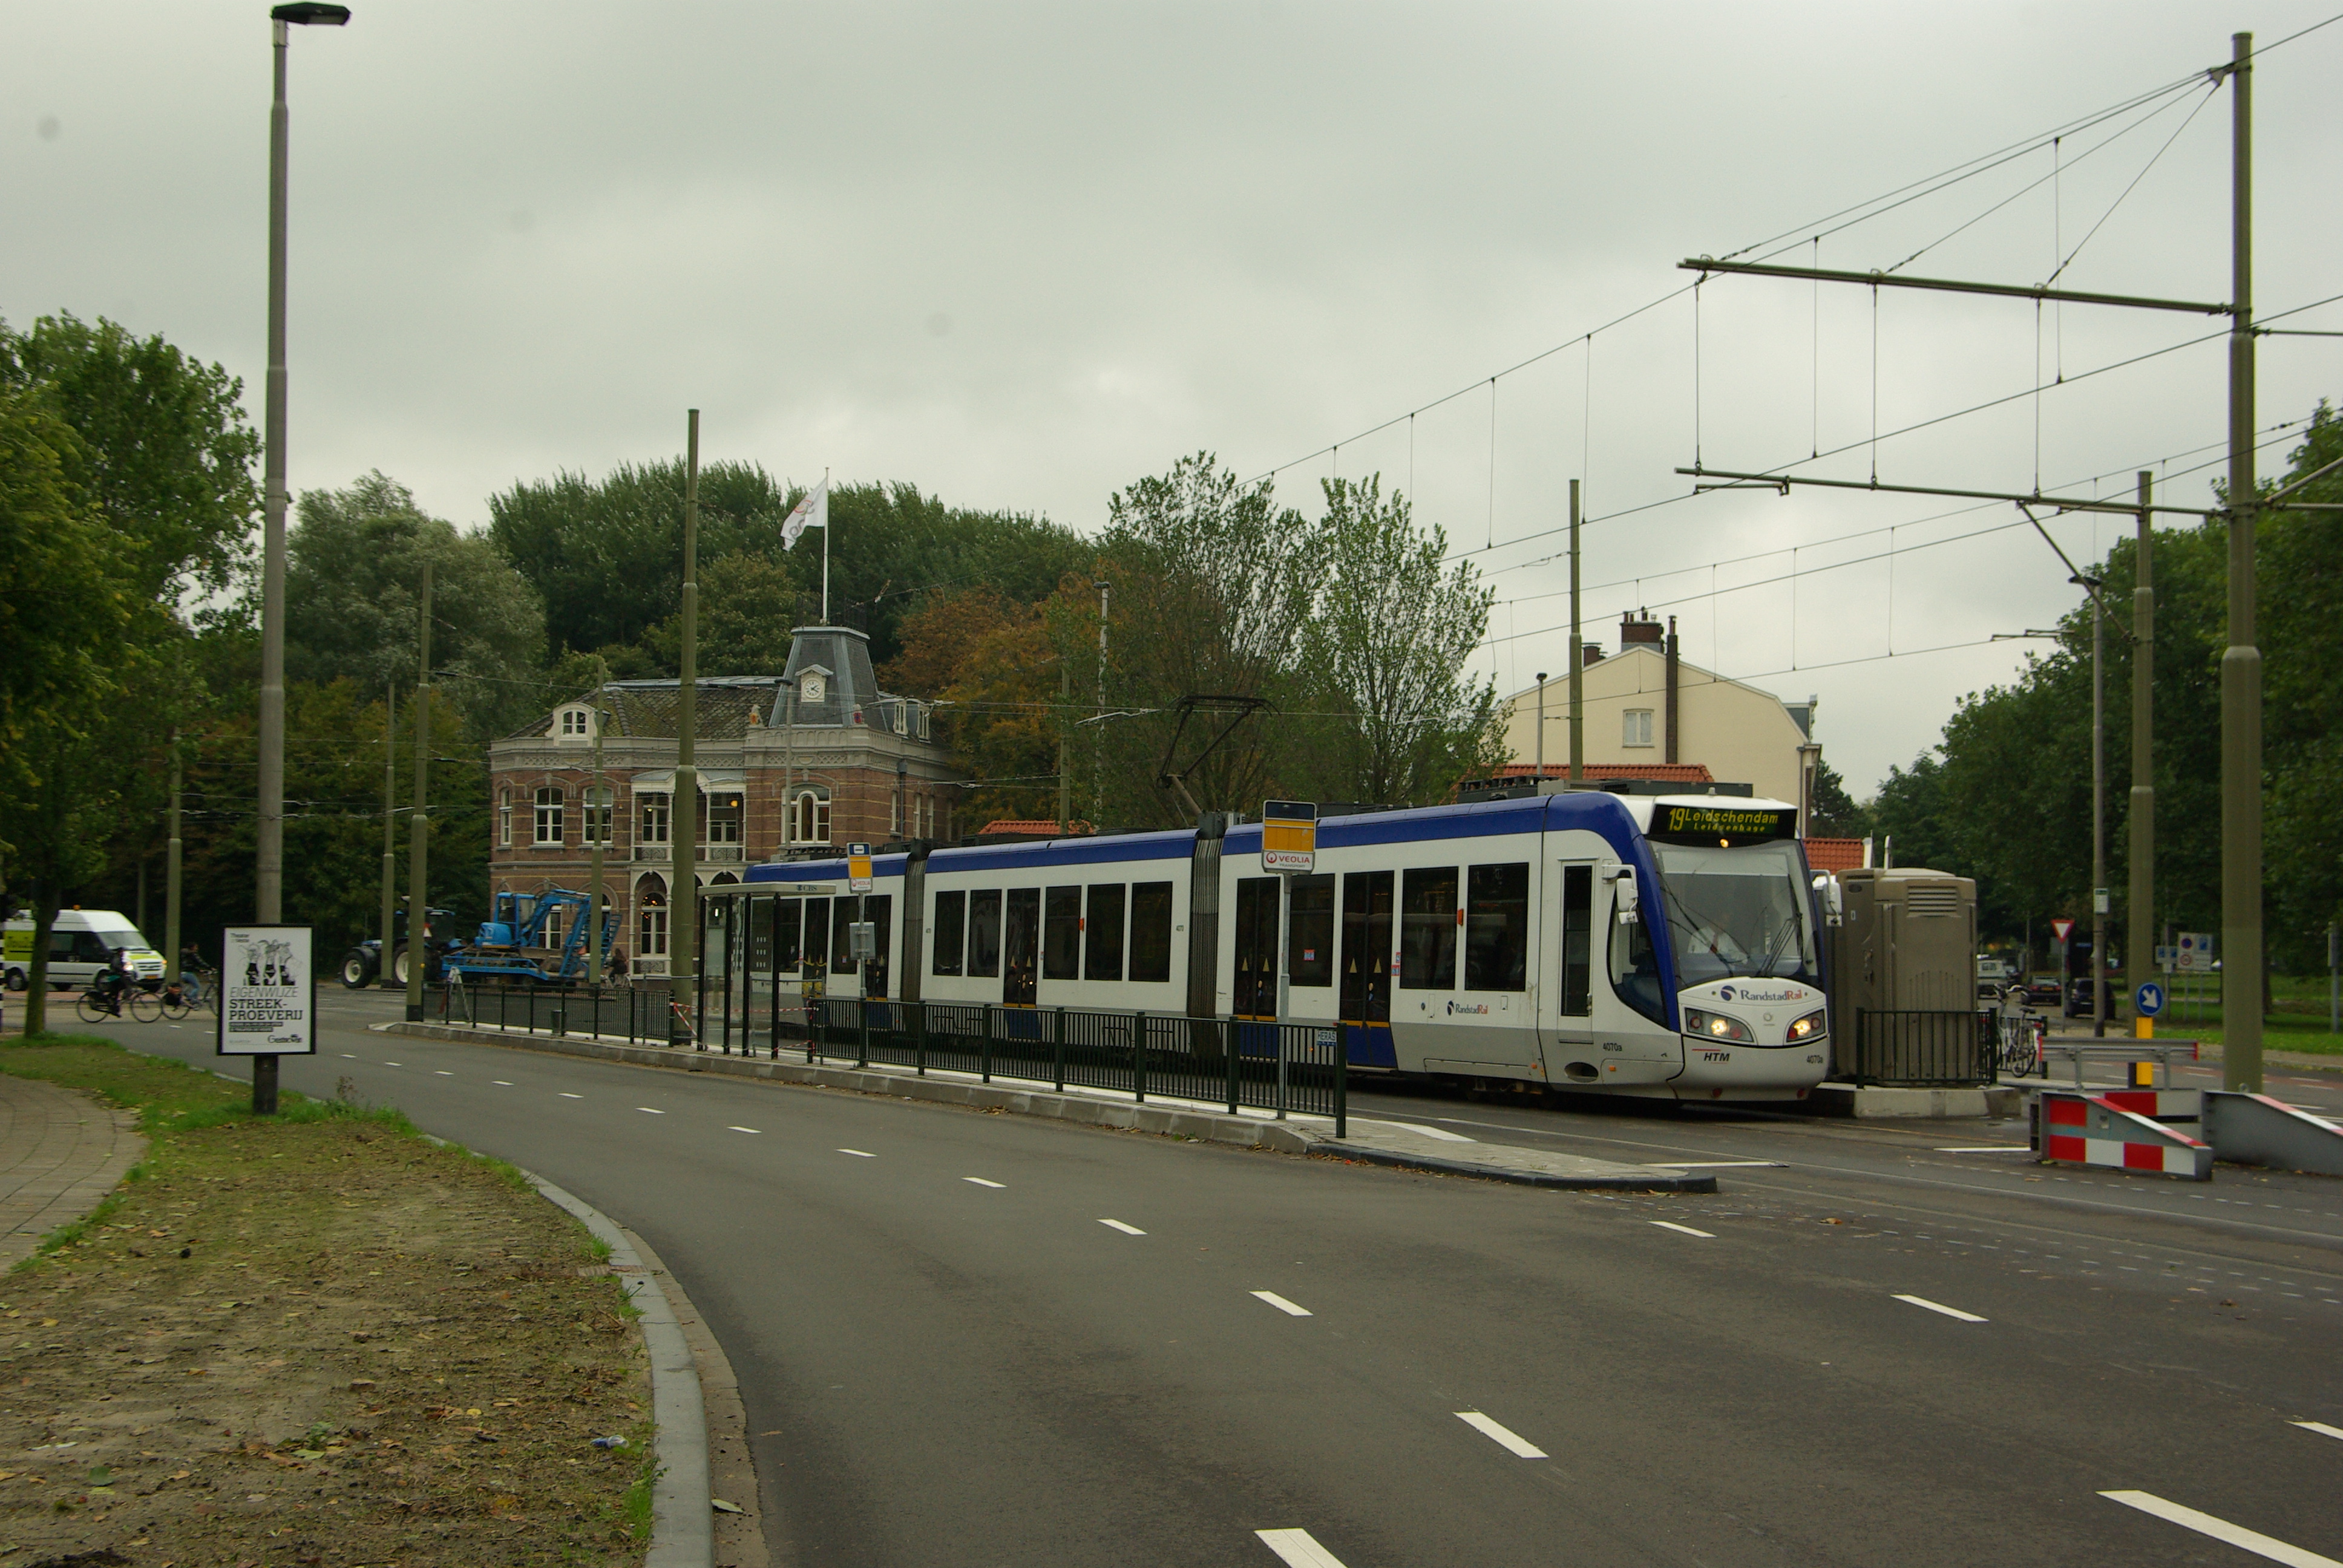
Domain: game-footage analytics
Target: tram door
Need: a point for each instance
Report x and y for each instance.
(1256, 943)
(1020, 949)
(1366, 967)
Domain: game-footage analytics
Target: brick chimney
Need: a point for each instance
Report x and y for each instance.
(1634, 628)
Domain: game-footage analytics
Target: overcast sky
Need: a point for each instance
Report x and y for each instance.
(1024, 254)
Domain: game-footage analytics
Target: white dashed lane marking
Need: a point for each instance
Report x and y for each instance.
(1118, 1225)
(567, 1095)
(394, 1064)
(648, 1111)
(1297, 1548)
(2321, 1427)
(441, 1072)
(1281, 1304)
(2236, 1536)
(1512, 1442)
(1940, 1307)
(982, 1183)
(1685, 1229)
(1989, 1149)
(501, 1082)
(741, 1129)
(859, 1154)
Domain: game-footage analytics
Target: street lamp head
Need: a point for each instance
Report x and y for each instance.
(309, 14)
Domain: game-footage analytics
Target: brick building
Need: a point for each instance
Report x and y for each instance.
(781, 775)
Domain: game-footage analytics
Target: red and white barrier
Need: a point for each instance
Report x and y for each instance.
(2159, 1104)
(2093, 1130)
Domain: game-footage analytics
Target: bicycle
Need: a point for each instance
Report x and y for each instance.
(200, 986)
(2022, 1039)
(99, 1003)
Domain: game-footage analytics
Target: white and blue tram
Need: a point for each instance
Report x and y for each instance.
(1639, 945)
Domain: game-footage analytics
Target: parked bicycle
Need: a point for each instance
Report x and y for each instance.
(2023, 1038)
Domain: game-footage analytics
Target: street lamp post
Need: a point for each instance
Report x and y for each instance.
(269, 890)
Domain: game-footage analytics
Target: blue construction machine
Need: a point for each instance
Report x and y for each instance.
(512, 945)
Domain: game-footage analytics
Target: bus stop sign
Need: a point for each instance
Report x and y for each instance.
(1288, 835)
(858, 868)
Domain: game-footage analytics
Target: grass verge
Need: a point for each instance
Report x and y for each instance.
(312, 1338)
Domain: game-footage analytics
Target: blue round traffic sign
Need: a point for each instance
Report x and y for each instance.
(2148, 1000)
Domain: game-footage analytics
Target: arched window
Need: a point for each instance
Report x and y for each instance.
(574, 724)
(549, 804)
(809, 821)
(650, 917)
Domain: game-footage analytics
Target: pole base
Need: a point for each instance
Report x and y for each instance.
(263, 1086)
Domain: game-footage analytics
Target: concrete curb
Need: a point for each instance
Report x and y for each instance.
(1174, 1121)
(683, 1528)
(1656, 1182)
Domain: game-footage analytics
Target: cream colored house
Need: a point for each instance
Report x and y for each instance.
(1645, 705)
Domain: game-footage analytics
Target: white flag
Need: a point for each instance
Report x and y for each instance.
(813, 512)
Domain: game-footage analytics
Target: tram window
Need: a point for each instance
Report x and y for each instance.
(1150, 931)
(789, 917)
(841, 941)
(1310, 931)
(1102, 957)
(1497, 927)
(1062, 933)
(816, 934)
(1577, 955)
(1634, 970)
(984, 932)
(950, 933)
(1427, 942)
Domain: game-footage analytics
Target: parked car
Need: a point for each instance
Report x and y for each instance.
(2042, 991)
(2078, 996)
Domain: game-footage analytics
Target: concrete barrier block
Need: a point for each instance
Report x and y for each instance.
(2072, 1129)
(2256, 1130)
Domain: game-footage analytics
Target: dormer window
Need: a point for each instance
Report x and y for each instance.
(575, 722)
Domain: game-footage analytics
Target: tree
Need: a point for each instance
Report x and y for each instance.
(1386, 651)
(748, 603)
(62, 604)
(166, 454)
(1831, 811)
(352, 572)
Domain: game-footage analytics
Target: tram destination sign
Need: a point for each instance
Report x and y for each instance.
(1288, 835)
(1723, 826)
(269, 992)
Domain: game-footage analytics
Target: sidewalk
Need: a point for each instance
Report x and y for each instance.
(61, 1151)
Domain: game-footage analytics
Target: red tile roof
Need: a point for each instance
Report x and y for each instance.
(1669, 772)
(1835, 854)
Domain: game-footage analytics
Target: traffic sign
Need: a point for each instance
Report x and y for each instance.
(1288, 835)
(2064, 929)
(2148, 1000)
(2196, 955)
(858, 868)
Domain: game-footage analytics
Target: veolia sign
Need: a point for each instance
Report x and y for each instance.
(1288, 835)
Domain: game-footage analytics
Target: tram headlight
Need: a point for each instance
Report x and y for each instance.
(1713, 1025)
(1807, 1028)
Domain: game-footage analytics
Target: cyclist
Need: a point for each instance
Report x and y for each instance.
(114, 979)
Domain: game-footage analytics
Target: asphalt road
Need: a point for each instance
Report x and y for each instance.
(978, 1339)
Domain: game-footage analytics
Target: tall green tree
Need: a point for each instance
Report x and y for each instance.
(1386, 650)
(353, 568)
(166, 455)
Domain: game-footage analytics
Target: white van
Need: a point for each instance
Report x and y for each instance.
(81, 943)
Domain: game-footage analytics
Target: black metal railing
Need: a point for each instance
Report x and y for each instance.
(1926, 1050)
(1232, 1062)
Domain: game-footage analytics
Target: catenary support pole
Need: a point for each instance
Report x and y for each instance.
(1577, 655)
(172, 936)
(2241, 661)
(597, 816)
(1065, 721)
(683, 926)
(419, 819)
(2098, 808)
(389, 911)
(2139, 903)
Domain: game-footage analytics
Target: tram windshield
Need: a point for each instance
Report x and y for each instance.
(1736, 912)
